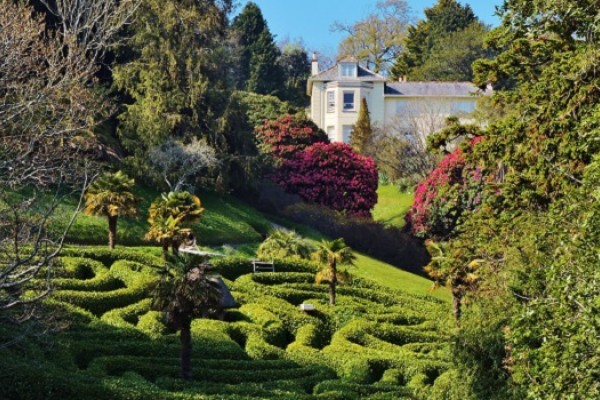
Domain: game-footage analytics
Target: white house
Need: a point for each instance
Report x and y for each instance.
(417, 108)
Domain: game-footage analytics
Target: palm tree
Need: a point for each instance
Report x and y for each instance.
(111, 195)
(186, 291)
(282, 243)
(448, 268)
(329, 255)
(171, 217)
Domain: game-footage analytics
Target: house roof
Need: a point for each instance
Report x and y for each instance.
(438, 89)
(332, 74)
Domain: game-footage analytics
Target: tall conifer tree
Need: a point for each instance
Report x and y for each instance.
(258, 70)
(362, 131)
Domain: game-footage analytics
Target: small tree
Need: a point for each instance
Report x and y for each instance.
(111, 196)
(171, 217)
(283, 243)
(362, 132)
(448, 268)
(329, 255)
(176, 163)
(184, 292)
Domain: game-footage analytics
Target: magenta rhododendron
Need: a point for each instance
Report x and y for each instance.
(333, 175)
(441, 198)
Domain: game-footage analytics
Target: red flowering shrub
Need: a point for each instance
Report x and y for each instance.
(283, 137)
(333, 175)
(441, 198)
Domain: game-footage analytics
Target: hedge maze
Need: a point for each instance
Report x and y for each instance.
(376, 343)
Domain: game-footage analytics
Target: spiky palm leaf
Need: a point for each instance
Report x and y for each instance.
(329, 255)
(186, 291)
(333, 251)
(171, 217)
(111, 195)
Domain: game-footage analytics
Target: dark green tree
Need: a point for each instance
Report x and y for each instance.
(186, 291)
(296, 69)
(362, 132)
(444, 18)
(174, 77)
(258, 69)
(452, 56)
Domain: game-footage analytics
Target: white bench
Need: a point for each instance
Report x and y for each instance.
(258, 266)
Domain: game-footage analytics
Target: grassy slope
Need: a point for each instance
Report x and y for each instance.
(367, 267)
(225, 219)
(229, 221)
(391, 206)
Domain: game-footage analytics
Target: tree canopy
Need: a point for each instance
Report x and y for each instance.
(443, 45)
(258, 69)
(377, 39)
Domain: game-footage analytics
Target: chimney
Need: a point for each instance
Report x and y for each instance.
(314, 64)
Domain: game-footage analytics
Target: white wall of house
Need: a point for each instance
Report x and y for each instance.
(331, 111)
(425, 115)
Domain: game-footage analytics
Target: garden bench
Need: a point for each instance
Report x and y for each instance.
(258, 266)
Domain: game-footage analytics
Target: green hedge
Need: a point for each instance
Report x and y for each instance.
(234, 267)
(108, 257)
(80, 273)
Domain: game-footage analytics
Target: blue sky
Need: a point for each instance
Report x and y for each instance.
(311, 19)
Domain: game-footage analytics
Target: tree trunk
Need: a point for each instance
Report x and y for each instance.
(185, 337)
(332, 283)
(456, 304)
(165, 249)
(112, 231)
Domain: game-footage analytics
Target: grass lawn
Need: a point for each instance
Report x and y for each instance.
(391, 206)
(389, 276)
(365, 267)
(225, 220)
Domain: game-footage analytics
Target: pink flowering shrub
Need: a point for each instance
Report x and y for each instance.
(452, 188)
(333, 175)
(283, 137)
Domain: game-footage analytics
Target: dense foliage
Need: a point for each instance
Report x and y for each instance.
(443, 45)
(257, 67)
(332, 175)
(172, 75)
(529, 332)
(282, 138)
(451, 189)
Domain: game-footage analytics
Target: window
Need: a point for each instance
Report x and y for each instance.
(347, 130)
(348, 101)
(348, 70)
(331, 101)
(331, 133)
